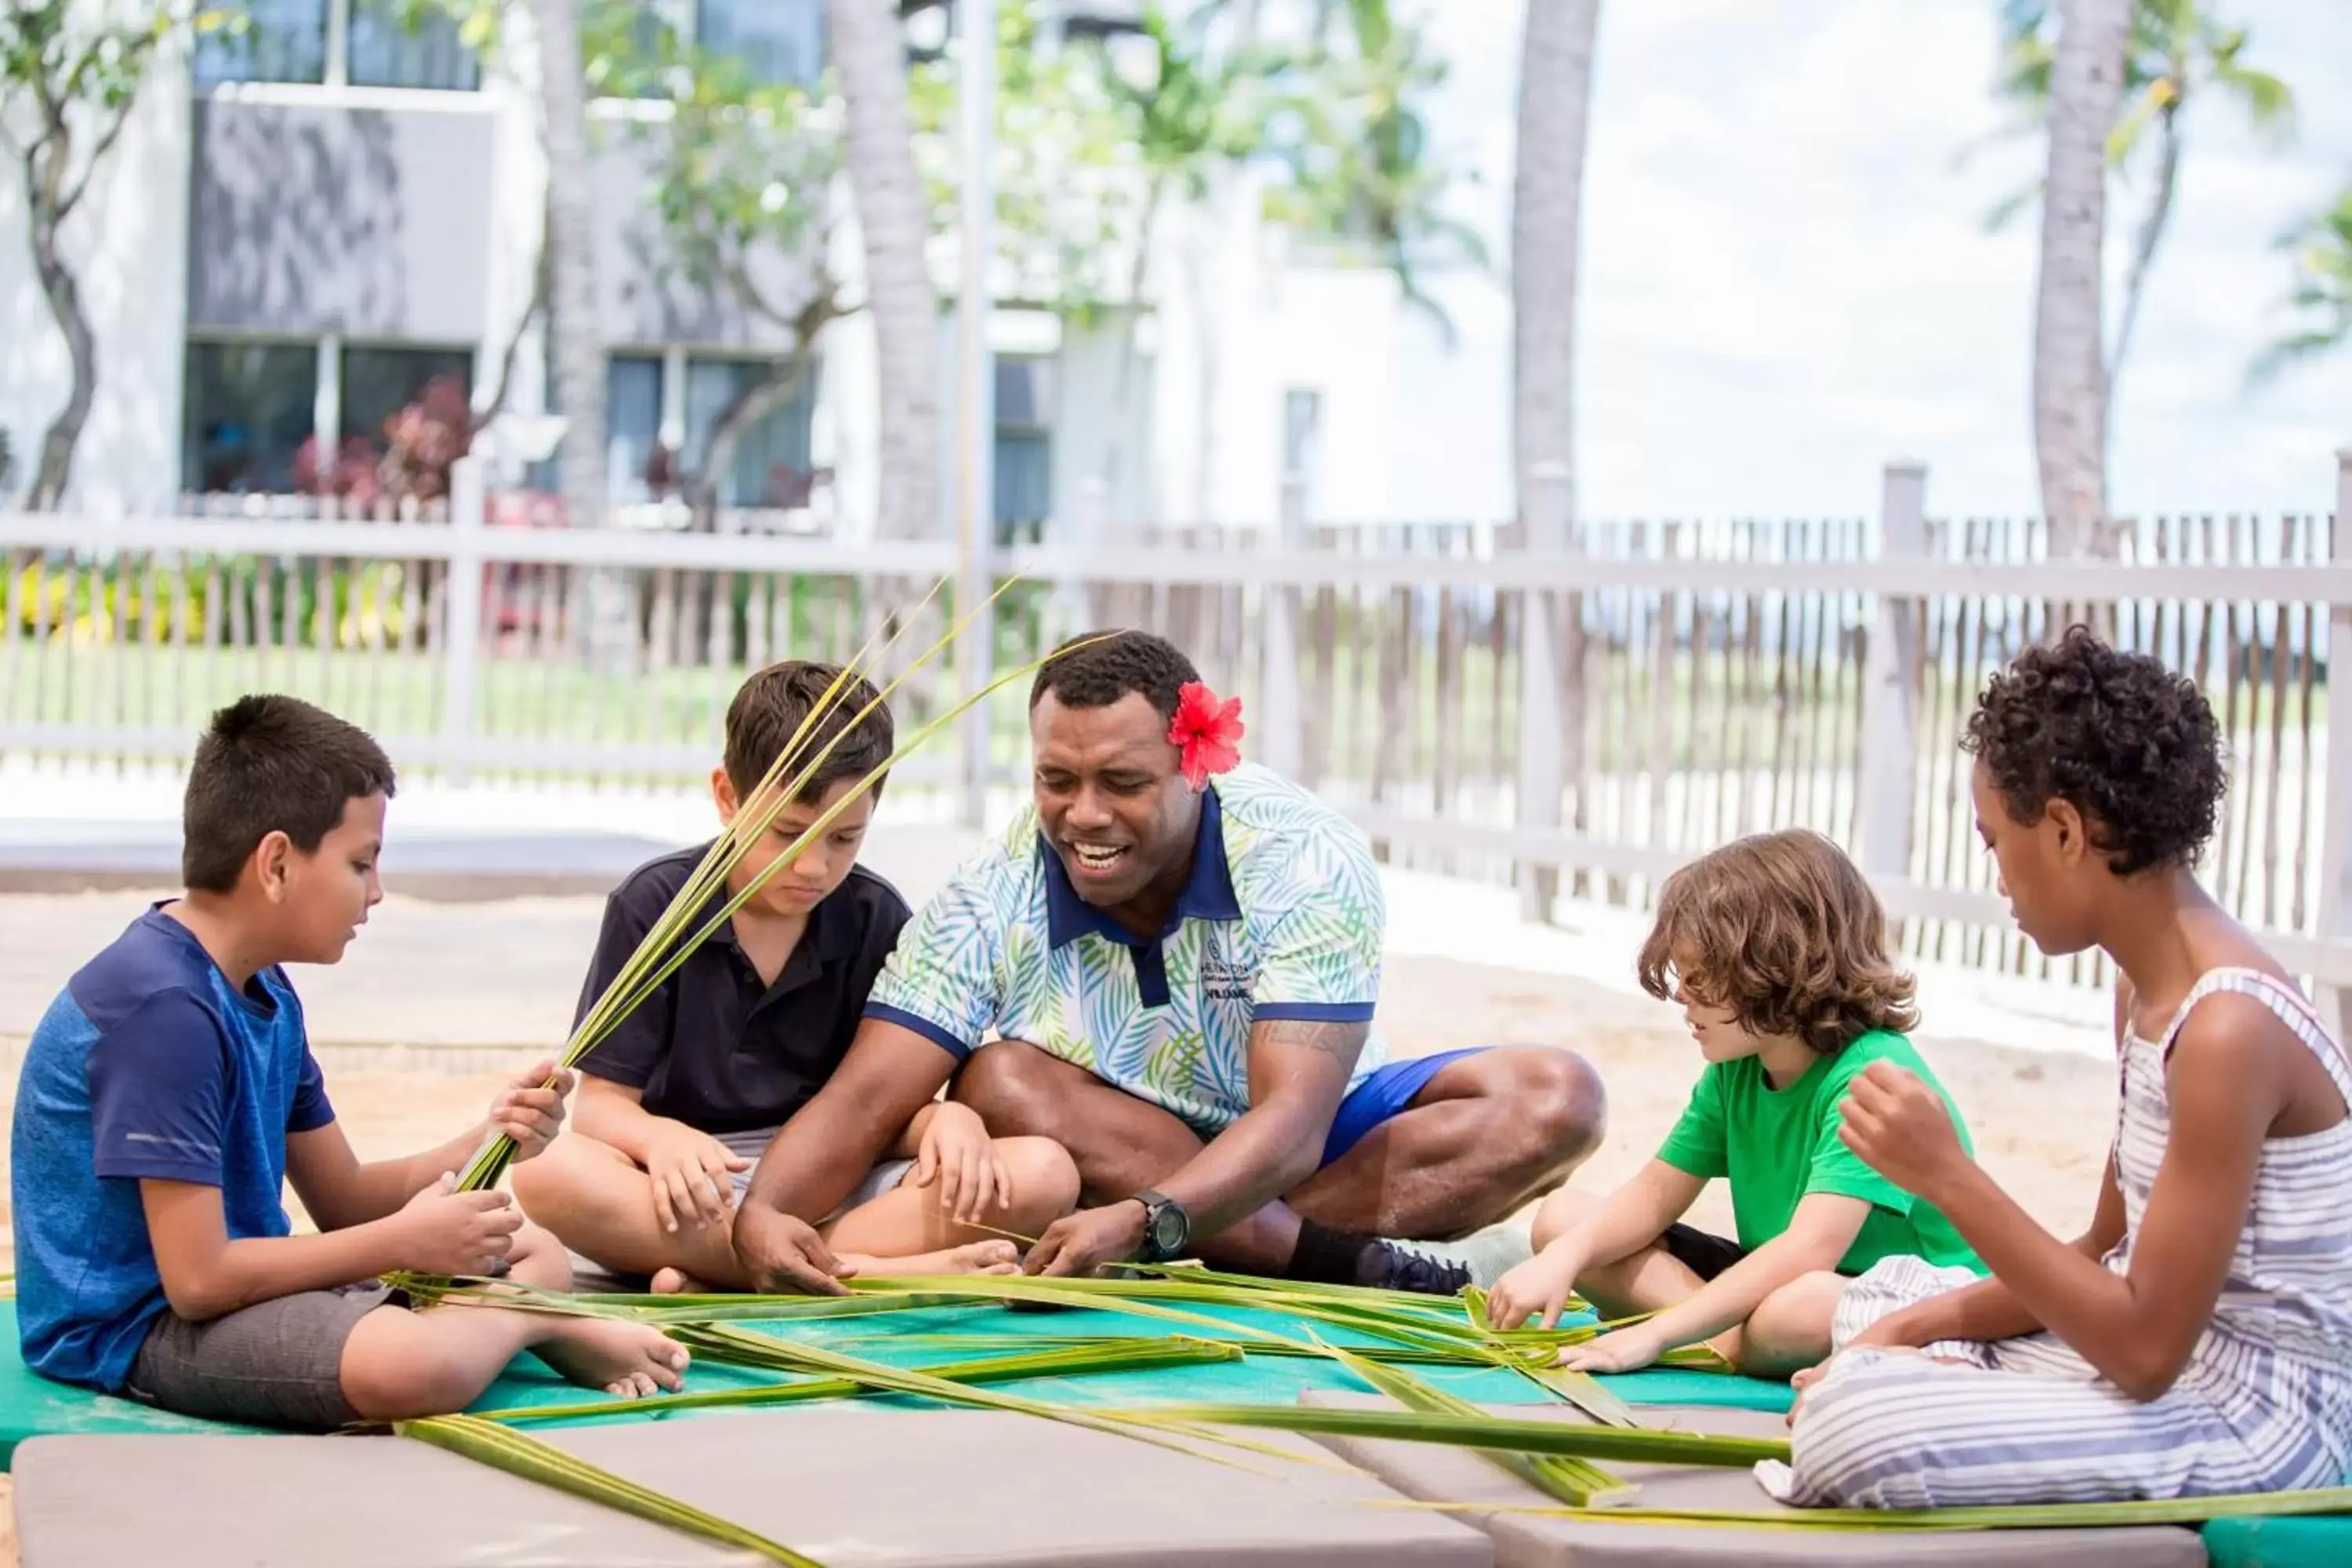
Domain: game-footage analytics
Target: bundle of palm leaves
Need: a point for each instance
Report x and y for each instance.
(1187, 1307)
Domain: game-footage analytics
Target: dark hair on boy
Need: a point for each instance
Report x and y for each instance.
(776, 701)
(1100, 667)
(271, 764)
(2130, 745)
(1782, 931)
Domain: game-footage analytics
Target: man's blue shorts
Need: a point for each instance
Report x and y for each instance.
(1388, 1090)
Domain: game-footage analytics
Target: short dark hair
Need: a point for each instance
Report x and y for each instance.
(773, 705)
(1099, 669)
(271, 764)
(2130, 745)
(1782, 931)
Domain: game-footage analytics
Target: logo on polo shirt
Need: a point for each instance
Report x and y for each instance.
(1222, 980)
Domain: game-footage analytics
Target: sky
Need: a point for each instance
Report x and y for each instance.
(1787, 280)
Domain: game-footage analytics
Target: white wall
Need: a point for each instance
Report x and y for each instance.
(128, 246)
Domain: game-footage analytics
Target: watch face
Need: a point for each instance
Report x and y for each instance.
(1169, 1231)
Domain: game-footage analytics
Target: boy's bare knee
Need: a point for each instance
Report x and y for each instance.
(1790, 1329)
(1045, 1177)
(391, 1370)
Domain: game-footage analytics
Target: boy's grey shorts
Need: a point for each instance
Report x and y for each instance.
(275, 1363)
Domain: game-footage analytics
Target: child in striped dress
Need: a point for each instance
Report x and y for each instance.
(2198, 1341)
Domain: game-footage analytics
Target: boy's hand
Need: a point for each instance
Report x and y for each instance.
(959, 1159)
(445, 1231)
(1627, 1350)
(693, 1176)
(530, 1109)
(1540, 1285)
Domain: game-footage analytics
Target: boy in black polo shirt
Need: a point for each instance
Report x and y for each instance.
(677, 1104)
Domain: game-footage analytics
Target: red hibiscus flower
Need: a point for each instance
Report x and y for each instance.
(1207, 730)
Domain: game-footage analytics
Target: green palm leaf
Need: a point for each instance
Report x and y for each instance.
(488, 1443)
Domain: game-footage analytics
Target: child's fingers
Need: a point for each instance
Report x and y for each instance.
(1004, 1182)
(978, 1183)
(1552, 1309)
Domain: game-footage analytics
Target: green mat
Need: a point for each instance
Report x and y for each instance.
(33, 1407)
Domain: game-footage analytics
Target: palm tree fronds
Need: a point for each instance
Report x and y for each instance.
(488, 1443)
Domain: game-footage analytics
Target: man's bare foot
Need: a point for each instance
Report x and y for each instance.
(679, 1282)
(628, 1358)
(972, 1258)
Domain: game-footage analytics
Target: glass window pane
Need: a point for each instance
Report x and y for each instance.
(1024, 482)
(779, 40)
(380, 383)
(277, 41)
(248, 409)
(770, 466)
(396, 45)
(633, 411)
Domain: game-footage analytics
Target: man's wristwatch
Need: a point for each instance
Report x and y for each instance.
(1167, 1229)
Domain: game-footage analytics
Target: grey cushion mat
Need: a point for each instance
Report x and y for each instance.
(1434, 1473)
(847, 1487)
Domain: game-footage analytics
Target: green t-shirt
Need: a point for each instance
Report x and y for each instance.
(1778, 1145)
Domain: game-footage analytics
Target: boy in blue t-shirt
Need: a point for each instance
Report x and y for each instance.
(170, 1090)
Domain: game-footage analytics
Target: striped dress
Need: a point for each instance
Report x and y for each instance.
(2264, 1403)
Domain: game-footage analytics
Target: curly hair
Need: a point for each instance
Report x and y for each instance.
(267, 765)
(772, 705)
(2130, 745)
(1783, 931)
(1099, 669)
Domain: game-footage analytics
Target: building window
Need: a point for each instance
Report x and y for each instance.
(1024, 446)
(633, 418)
(771, 466)
(396, 45)
(777, 40)
(379, 382)
(275, 40)
(386, 43)
(249, 408)
(1302, 441)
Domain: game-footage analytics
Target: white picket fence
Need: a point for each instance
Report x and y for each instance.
(1580, 706)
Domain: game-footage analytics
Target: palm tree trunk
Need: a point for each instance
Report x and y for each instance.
(571, 240)
(894, 221)
(1547, 200)
(1547, 214)
(2070, 377)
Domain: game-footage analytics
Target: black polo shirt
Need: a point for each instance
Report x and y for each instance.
(713, 1047)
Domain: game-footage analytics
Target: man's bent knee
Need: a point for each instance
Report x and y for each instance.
(1558, 1095)
(1014, 1087)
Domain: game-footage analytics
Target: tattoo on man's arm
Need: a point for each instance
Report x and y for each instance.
(1343, 1043)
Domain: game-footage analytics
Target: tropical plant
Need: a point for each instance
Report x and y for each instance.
(70, 75)
(1364, 175)
(2321, 298)
(2175, 53)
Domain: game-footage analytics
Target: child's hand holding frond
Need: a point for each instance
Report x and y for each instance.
(530, 1109)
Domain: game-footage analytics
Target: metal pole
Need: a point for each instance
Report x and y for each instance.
(976, 390)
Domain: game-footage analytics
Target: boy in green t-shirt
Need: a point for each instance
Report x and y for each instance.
(1776, 948)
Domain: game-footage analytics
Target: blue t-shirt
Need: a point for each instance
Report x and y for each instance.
(149, 1064)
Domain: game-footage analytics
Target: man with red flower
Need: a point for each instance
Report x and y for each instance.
(1170, 964)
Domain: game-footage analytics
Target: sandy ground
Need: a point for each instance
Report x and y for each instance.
(439, 1002)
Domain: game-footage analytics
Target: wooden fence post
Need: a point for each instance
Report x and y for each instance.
(2335, 873)
(1545, 518)
(461, 626)
(1888, 771)
(1279, 746)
